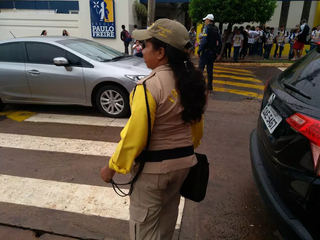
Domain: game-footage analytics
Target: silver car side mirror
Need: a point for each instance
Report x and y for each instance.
(60, 61)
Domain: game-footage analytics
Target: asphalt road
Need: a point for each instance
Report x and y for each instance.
(51, 156)
(233, 208)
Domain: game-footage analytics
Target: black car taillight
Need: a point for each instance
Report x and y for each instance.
(310, 128)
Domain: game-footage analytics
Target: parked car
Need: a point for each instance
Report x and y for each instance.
(66, 70)
(285, 149)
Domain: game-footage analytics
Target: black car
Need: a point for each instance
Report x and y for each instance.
(285, 149)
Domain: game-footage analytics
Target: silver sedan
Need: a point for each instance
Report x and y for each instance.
(68, 71)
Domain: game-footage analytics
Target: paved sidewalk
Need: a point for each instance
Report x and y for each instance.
(13, 233)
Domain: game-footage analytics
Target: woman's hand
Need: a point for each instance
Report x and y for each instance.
(107, 174)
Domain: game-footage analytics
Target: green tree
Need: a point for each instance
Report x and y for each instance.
(141, 10)
(233, 11)
(180, 8)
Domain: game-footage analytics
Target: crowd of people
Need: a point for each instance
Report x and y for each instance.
(263, 41)
(260, 41)
(136, 45)
(252, 40)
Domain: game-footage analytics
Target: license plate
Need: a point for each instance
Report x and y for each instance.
(271, 118)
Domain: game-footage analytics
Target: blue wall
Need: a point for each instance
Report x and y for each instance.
(165, 1)
(61, 6)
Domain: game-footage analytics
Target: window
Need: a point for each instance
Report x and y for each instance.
(305, 76)
(73, 59)
(11, 52)
(91, 49)
(43, 53)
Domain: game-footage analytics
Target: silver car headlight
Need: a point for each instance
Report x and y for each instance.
(135, 78)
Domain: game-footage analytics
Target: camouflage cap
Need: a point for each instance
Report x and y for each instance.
(165, 30)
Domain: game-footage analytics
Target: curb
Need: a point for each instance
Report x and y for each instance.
(246, 64)
(252, 64)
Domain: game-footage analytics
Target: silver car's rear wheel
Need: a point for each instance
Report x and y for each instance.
(112, 101)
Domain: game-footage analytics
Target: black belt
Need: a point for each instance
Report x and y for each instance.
(161, 155)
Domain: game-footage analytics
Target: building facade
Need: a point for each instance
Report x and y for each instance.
(29, 17)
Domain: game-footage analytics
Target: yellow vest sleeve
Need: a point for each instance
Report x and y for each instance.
(197, 133)
(135, 133)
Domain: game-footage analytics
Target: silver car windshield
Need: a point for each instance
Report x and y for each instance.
(93, 50)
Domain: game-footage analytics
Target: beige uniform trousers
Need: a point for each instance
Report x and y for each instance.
(154, 205)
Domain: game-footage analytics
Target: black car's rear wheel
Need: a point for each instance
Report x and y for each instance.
(112, 101)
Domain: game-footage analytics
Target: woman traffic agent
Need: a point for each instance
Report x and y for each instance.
(176, 93)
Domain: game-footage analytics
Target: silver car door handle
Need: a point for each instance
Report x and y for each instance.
(33, 72)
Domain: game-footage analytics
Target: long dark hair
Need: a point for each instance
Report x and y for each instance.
(190, 82)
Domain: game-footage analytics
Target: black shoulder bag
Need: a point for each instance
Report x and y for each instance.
(115, 186)
(194, 186)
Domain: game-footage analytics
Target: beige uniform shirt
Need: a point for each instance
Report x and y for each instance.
(168, 129)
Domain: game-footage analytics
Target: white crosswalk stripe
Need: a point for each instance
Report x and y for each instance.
(78, 120)
(69, 197)
(65, 145)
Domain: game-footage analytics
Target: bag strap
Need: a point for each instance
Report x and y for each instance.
(149, 115)
(115, 186)
(134, 92)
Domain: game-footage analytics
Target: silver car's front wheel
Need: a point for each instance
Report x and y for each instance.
(112, 101)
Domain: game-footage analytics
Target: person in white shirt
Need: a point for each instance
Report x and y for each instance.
(266, 32)
(291, 40)
(237, 44)
(137, 49)
(244, 49)
(135, 27)
(257, 39)
(280, 40)
(301, 39)
(252, 40)
(227, 52)
(260, 42)
(315, 36)
(269, 43)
